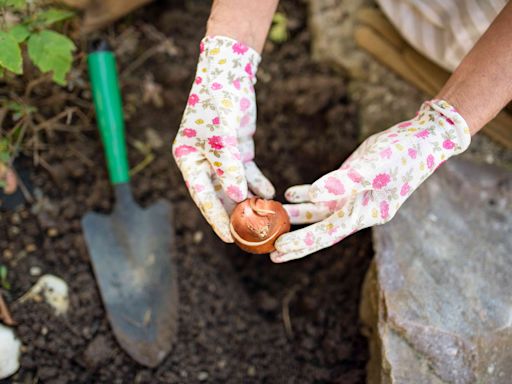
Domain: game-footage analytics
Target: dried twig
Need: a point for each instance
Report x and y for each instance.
(141, 59)
(48, 167)
(52, 121)
(84, 159)
(23, 188)
(5, 314)
(3, 113)
(286, 310)
(148, 156)
(35, 82)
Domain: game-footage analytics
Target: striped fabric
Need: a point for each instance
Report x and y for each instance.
(442, 30)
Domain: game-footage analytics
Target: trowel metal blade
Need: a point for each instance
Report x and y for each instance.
(132, 254)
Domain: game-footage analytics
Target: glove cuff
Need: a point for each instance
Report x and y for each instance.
(227, 48)
(454, 120)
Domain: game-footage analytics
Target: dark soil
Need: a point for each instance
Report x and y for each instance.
(232, 304)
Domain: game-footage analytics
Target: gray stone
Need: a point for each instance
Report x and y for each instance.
(436, 302)
(483, 149)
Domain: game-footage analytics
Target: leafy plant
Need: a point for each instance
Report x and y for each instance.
(4, 283)
(49, 50)
(279, 31)
(29, 30)
(11, 140)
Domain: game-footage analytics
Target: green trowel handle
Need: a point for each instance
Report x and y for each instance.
(109, 110)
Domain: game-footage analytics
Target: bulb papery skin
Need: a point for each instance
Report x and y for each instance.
(257, 223)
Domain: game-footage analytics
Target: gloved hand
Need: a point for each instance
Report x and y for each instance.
(372, 184)
(214, 148)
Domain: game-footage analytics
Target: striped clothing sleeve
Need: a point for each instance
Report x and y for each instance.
(442, 30)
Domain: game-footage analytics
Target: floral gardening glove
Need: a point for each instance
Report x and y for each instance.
(373, 182)
(214, 148)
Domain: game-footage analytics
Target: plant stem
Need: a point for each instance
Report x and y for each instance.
(5, 314)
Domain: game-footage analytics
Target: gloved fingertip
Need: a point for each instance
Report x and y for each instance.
(298, 193)
(266, 191)
(277, 257)
(229, 240)
(224, 234)
(258, 183)
(281, 244)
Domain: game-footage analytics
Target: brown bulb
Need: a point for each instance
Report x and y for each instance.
(257, 223)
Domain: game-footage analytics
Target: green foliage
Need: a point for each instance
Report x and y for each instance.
(5, 153)
(19, 33)
(10, 54)
(50, 51)
(4, 283)
(279, 31)
(53, 15)
(15, 4)
(12, 139)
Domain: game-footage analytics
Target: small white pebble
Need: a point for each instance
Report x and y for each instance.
(432, 217)
(198, 237)
(490, 369)
(53, 289)
(202, 376)
(35, 271)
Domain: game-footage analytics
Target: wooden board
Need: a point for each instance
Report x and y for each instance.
(376, 35)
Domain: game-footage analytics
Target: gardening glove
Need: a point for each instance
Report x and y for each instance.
(372, 184)
(214, 147)
(8, 182)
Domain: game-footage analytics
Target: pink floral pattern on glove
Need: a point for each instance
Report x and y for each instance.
(214, 148)
(373, 183)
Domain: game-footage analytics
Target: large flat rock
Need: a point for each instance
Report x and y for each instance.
(437, 302)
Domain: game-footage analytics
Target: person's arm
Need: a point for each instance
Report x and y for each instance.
(247, 21)
(214, 146)
(482, 84)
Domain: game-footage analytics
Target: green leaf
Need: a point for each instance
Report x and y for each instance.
(5, 154)
(51, 51)
(10, 53)
(279, 32)
(19, 33)
(53, 15)
(18, 4)
(3, 277)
